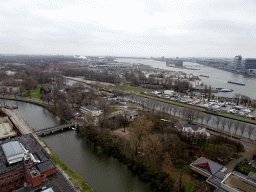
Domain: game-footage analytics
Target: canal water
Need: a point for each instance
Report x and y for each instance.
(101, 172)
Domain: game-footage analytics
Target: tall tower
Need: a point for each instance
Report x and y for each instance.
(238, 62)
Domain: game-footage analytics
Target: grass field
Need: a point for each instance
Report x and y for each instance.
(35, 93)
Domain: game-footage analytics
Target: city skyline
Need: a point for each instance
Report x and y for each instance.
(134, 28)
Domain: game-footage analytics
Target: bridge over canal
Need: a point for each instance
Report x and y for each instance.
(51, 130)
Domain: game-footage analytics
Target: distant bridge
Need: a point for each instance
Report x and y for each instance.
(54, 129)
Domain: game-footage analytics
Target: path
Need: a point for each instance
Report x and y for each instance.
(21, 124)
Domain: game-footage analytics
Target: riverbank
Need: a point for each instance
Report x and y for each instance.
(77, 179)
(136, 91)
(73, 176)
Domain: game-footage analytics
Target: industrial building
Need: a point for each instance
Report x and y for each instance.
(175, 63)
(26, 166)
(238, 62)
(222, 181)
(250, 64)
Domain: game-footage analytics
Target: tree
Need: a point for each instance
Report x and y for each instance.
(223, 122)
(122, 119)
(217, 121)
(237, 98)
(202, 116)
(230, 123)
(190, 114)
(253, 103)
(175, 110)
(250, 130)
(207, 119)
(243, 128)
(236, 126)
(180, 164)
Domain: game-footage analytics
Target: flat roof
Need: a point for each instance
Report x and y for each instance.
(29, 143)
(240, 184)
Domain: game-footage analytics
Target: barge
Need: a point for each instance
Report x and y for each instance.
(236, 83)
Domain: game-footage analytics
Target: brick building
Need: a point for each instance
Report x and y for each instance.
(24, 164)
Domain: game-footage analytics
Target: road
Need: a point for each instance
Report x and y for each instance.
(20, 123)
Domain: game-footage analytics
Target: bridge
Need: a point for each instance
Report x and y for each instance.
(51, 130)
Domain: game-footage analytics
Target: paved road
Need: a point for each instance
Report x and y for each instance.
(19, 121)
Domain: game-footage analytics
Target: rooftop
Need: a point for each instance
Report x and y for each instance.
(56, 182)
(240, 184)
(29, 143)
(207, 166)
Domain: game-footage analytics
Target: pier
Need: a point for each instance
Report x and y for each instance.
(51, 130)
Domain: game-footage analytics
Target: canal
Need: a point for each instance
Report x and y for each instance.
(101, 172)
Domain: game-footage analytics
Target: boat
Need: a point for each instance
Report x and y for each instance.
(236, 83)
(225, 90)
(204, 76)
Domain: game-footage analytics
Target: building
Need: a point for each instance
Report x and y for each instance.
(176, 63)
(222, 181)
(26, 166)
(238, 62)
(9, 89)
(250, 64)
(91, 109)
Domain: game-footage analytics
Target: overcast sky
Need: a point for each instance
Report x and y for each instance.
(170, 28)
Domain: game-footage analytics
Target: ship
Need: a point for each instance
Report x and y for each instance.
(236, 83)
(204, 76)
(225, 90)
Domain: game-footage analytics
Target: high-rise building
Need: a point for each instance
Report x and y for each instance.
(238, 62)
(250, 64)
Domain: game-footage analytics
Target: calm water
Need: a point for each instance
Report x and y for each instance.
(36, 116)
(101, 172)
(217, 78)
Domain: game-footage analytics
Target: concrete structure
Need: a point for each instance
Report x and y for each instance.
(238, 62)
(250, 64)
(6, 128)
(224, 182)
(25, 165)
(91, 109)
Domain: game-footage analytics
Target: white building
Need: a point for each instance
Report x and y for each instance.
(91, 109)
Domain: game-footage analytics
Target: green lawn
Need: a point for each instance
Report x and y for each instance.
(129, 88)
(113, 109)
(35, 93)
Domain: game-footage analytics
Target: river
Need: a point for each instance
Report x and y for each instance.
(217, 78)
(101, 172)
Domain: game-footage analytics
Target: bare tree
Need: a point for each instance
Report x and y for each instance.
(202, 116)
(175, 110)
(243, 128)
(237, 125)
(190, 114)
(208, 118)
(223, 122)
(217, 121)
(250, 130)
(230, 123)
